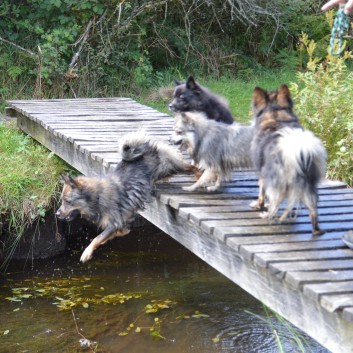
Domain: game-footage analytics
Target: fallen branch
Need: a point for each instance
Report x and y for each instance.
(18, 47)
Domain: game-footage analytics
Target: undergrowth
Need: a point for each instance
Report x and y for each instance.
(29, 181)
(323, 96)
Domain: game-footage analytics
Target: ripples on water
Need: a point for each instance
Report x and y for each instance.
(211, 314)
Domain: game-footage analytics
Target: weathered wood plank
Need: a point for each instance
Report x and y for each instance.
(249, 251)
(281, 268)
(337, 302)
(298, 279)
(265, 259)
(348, 314)
(315, 291)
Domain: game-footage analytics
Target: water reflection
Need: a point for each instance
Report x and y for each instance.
(200, 310)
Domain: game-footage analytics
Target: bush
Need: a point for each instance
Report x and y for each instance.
(324, 96)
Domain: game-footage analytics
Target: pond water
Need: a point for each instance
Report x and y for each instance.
(144, 293)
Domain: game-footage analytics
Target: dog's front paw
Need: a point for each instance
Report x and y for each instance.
(86, 255)
(265, 215)
(254, 204)
(257, 206)
(212, 188)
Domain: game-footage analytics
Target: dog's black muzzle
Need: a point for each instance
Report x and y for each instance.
(69, 217)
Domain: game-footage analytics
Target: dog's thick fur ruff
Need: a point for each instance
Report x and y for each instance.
(112, 202)
(290, 160)
(216, 148)
(189, 96)
(162, 160)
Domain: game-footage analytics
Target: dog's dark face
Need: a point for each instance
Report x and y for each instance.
(133, 151)
(72, 199)
(186, 96)
(273, 108)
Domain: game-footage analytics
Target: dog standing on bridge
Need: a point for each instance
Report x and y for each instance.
(290, 160)
(189, 96)
(112, 201)
(216, 148)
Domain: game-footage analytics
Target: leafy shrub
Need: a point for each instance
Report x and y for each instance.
(324, 96)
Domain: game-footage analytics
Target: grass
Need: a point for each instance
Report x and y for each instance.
(280, 328)
(29, 180)
(238, 92)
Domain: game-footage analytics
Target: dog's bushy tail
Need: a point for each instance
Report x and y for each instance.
(295, 173)
(303, 153)
(304, 165)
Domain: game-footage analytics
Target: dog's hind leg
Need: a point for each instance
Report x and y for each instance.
(206, 177)
(109, 233)
(217, 184)
(310, 201)
(259, 204)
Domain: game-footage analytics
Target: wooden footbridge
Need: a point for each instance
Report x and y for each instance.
(307, 280)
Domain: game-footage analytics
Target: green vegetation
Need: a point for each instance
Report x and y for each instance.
(280, 327)
(29, 177)
(324, 98)
(93, 48)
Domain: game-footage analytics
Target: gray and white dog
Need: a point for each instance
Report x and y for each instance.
(216, 148)
(112, 201)
(290, 161)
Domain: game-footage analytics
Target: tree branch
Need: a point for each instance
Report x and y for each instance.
(19, 47)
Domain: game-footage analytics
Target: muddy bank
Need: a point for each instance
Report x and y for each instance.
(50, 238)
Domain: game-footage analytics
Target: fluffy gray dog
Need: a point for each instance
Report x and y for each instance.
(216, 148)
(290, 160)
(162, 160)
(113, 201)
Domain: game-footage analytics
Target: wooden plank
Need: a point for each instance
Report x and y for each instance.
(209, 226)
(348, 314)
(237, 241)
(315, 291)
(298, 279)
(336, 302)
(280, 229)
(265, 259)
(244, 212)
(280, 268)
(249, 251)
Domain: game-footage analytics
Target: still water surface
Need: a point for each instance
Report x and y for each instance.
(114, 297)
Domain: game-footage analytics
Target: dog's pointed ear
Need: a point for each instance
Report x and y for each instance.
(259, 99)
(283, 97)
(191, 84)
(177, 82)
(66, 179)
